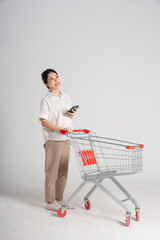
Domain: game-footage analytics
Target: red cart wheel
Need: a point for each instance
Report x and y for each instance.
(128, 220)
(137, 215)
(88, 205)
(61, 214)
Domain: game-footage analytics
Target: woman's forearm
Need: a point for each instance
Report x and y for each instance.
(49, 125)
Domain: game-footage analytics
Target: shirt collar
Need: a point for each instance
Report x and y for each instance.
(53, 95)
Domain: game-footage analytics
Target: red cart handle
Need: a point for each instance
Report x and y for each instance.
(77, 130)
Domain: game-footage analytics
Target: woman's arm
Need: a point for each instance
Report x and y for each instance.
(51, 126)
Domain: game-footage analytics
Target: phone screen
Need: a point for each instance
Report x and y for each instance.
(72, 109)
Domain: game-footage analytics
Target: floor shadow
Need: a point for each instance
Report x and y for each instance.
(29, 198)
(37, 200)
(122, 224)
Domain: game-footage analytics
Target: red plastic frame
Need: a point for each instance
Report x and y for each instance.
(130, 147)
(141, 145)
(76, 130)
(88, 157)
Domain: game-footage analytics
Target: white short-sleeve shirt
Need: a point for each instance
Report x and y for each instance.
(54, 109)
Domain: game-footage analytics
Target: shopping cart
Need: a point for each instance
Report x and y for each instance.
(99, 158)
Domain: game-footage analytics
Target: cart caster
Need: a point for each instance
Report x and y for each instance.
(127, 220)
(88, 205)
(61, 214)
(137, 215)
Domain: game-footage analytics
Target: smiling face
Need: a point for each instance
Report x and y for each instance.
(53, 81)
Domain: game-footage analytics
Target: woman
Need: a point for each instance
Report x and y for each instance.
(54, 116)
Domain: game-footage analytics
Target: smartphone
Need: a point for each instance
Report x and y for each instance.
(73, 108)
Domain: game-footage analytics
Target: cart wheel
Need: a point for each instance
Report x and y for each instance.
(61, 214)
(88, 205)
(128, 220)
(137, 215)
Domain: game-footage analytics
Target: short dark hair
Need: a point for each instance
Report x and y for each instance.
(44, 75)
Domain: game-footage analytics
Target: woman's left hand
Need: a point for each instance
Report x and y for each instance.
(72, 114)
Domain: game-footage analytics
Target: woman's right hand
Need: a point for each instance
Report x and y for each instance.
(70, 130)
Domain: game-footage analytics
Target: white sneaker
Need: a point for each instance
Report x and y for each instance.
(69, 206)
(53, 206)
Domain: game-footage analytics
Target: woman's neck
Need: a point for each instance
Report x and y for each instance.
(56, 92)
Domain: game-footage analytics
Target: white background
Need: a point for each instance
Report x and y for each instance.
(107, 54)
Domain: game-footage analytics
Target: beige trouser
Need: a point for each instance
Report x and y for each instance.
(56, 169)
